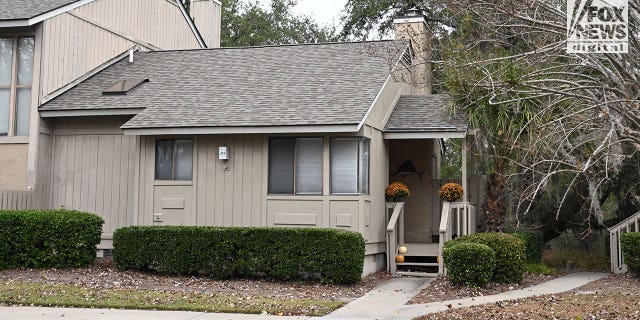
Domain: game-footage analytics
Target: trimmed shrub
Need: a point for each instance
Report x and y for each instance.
(533, 243)
(509, 251)
(469, 263)
(630, 245)
(326, 255)
(48, 238)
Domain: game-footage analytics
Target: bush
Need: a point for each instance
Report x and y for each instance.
(469, 263)
(279, 253)
(509, 251)
(533, 243)
(630, 245)
(48, 238)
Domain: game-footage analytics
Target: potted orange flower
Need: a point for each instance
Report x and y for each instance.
(397, 192)
(450, 192)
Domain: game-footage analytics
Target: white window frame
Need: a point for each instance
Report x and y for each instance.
(13, 87)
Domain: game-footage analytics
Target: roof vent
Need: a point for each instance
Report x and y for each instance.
(122, 87)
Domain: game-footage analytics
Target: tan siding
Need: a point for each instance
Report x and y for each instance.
(70, 49)
(94, 169)
(17, 200)
(379, 179)
(13, 171)
(232, 197)
(158, 22)
(206, 15)
(43, 179)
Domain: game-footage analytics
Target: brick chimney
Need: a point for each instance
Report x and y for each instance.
(413, 26)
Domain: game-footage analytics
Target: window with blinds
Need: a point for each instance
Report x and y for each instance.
(350, 166)
(295, 166)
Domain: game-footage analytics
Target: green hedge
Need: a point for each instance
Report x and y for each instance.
(534, 244)
(509, 251)
(278, 253)
(48, 238)
(468, 263)
(630, 245)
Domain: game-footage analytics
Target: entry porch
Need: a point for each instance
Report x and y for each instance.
(418, 227)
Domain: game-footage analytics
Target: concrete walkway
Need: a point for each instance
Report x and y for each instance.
(385, 302)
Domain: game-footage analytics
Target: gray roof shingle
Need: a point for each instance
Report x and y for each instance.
(313, 84)
(425, 113)
(26, 9)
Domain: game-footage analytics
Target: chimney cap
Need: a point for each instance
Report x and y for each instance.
(414, 12)
(411, 16)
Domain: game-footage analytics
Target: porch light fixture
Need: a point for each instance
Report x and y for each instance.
(223, 153)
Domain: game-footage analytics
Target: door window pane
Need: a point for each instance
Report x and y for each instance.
(4, 112)
(25, 60)
(309, 166)
(183, 160)
(6, 60)
(344, 165)
(164, 159)
(23, 110)
(281, 162)
(174, 159)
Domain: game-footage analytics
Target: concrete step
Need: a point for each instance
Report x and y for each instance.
(418, 274)
(425, 264)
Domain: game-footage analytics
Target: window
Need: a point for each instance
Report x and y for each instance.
(295, 166)
(16, 71)
(350, 166)
(174, 159)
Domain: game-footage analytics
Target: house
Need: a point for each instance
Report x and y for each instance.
(292, 135)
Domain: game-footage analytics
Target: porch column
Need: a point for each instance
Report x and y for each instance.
(465, 184)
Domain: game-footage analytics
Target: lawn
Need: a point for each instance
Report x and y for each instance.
(42, 294)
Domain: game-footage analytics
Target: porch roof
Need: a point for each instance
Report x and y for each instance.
(425, 114)
(201, 91)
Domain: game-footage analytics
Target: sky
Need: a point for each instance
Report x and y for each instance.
(325, 12)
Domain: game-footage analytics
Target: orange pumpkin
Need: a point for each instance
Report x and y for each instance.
(399, 258)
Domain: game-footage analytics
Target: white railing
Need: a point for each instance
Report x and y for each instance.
(17, 200)
(458, 219)
(395, 233)
(631, 224)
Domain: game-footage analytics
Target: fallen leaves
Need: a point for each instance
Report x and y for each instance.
(617, 297)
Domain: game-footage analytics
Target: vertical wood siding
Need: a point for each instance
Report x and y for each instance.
(234, 197)
(94, 170)
(206, 15)
(18, 200)
(158, 22)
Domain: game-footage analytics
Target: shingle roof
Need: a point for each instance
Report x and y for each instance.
(425, 113)
(26, 9)
(314, 84)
